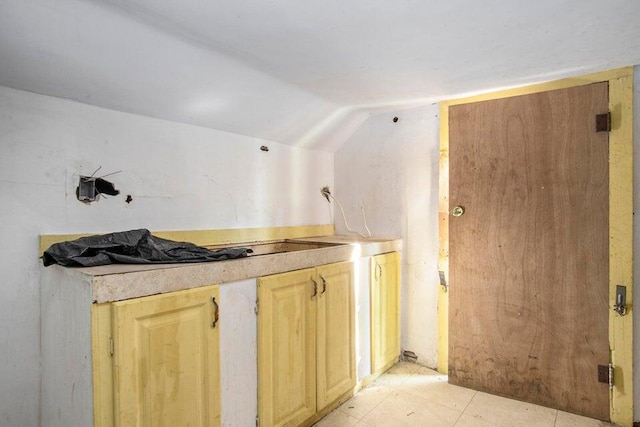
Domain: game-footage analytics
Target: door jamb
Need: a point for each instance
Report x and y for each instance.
(620, 223)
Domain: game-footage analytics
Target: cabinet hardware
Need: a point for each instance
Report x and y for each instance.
(378, 270)
(315, 287)
(324, 284)
(216, 312)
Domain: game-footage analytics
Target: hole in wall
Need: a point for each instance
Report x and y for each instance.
(90, 189)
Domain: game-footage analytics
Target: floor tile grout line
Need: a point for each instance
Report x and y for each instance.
(372, 409)
(555, 420)
(465, 408)
(379, 403)
(475, 393)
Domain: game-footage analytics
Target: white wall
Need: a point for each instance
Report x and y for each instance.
(392, 170)
(239, 353)
(180, 177)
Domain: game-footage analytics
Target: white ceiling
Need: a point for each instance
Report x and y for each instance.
(304, 73)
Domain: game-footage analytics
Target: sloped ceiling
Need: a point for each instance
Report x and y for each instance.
(304, 73)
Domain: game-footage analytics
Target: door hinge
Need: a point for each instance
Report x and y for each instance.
(257, 421)
(603, 122)
(256, 309)
(443, 281)
(111, 349)
(605, 374)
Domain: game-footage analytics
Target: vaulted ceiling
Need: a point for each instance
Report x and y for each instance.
(304, 73)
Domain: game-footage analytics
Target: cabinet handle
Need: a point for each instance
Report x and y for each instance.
(216, 312)
(324, 284)
(378, 270)
(315, 287)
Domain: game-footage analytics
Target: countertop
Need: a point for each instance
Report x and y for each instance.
(124, 281)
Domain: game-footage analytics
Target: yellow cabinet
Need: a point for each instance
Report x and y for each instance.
(336, 371)
(385, 310)
(163, 351)
(306, 353)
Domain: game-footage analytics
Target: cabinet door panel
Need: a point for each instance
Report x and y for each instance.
(286, 348)
(385, 309)
(335, 332)
(166, 360)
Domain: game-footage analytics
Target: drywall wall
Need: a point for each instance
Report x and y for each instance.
(179, 177)
(239, 353)
(391, 168)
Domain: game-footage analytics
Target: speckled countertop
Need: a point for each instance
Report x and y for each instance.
(124, 281)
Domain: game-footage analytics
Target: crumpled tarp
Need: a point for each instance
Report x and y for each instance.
(132, 247)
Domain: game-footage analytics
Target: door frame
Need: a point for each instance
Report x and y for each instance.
(620, 223)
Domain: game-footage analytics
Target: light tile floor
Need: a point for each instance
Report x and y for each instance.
(412, 395)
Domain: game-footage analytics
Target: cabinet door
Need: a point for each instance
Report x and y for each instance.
(166, 360)
(335, 333)
(385, 309)
(287, 348)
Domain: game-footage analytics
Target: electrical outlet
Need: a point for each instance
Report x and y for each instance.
(326, 192)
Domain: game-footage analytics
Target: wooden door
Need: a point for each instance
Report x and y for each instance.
(166, 360)
(528, 260)
(287, 348)
(336, 361)
(385, 309)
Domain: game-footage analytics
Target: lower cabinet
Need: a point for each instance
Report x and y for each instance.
(385, 310)
(156, 360)
(306, 342)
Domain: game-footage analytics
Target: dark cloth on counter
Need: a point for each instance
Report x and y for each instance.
(132, 247)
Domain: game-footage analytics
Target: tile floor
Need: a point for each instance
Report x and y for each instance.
(412, 395)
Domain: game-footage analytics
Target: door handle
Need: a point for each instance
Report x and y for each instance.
(216, 312)
(458, 211)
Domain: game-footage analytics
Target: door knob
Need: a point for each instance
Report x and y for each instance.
(458, 211)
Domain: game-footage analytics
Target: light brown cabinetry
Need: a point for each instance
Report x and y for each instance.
(306, 342)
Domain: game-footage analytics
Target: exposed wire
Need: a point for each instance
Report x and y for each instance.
(364, 219)
(95, 171)
(328, 195)
(109, 174)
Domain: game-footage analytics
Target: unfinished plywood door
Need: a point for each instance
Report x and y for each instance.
(336, 361)
(528, 313)
(166, 360)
